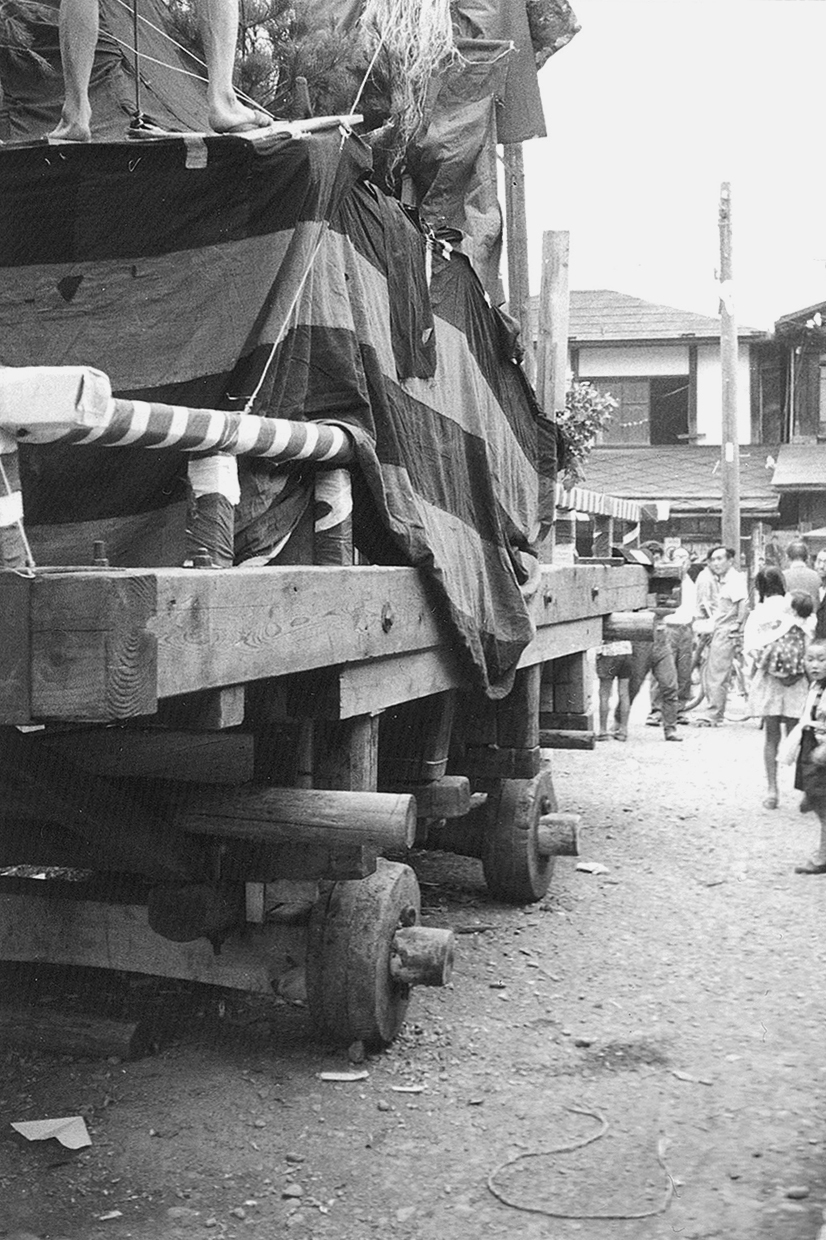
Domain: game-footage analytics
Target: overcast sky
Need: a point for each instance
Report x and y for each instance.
(650, 107)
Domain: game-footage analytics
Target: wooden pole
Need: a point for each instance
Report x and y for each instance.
(552, 341)
(730, 453)
(552, 363)
(516, 233)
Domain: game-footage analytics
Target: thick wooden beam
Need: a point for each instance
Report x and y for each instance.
(35, 926)
(566, 740)
(64, 1033)
(92, 653)
(110, 644)
(15, 654)
(384, 820)
(631, 626)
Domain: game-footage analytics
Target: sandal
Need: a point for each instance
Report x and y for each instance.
(811, 867)
(603, 736)
(770, 802)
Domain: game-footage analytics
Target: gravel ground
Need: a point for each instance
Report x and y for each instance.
(667, 1007)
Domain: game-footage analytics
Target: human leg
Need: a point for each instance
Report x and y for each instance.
(771, 741)
(717, 673)
(665, 674)
(218, 21)
(605, 686)
(681, 640)
(623, 708)
(79, 24)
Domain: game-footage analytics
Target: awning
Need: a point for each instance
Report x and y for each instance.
(800, 467)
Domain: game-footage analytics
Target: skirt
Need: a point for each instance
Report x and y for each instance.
(769, 696)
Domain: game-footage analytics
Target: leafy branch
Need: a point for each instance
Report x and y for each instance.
(587, 412)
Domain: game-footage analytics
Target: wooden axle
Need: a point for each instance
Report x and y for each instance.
(422, 956)
(631, 626)
(557, 835)
(385, 820)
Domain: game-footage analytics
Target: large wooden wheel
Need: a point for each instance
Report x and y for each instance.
(515, 869)
(350, 991)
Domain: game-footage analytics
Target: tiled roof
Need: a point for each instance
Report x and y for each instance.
(687, 477)
(801, 467)
(603, 315)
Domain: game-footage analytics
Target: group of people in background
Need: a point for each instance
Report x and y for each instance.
(780, 643)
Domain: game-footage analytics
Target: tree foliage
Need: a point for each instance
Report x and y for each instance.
(587, 412)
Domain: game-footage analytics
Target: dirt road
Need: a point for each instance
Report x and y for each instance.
(671, 1006)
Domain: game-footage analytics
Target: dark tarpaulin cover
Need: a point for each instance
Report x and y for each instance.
(177, 281)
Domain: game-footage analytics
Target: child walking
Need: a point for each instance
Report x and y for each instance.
(810, 772)
(774, 641)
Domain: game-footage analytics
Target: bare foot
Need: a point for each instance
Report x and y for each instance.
(71, 129)
(230, 118)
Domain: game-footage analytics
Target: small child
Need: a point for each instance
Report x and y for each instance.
(614, 663)
(810, 772)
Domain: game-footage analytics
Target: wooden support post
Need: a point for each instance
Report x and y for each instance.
(346, 754)
(209, 710)
(415, 739)
(572, 684)
(552, 360)
(333, 517)
(517, 715)
(212, 495)
(516, 233)
(603, 535)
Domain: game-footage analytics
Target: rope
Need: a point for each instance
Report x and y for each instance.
(567, 1149)
(165, 64)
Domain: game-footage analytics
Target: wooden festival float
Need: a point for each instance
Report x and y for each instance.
(271, 607)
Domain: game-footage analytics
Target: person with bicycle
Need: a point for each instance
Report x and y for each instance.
(722, 598)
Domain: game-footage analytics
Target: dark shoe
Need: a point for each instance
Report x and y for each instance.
(811, 867)
(672, 736)
(805, 805)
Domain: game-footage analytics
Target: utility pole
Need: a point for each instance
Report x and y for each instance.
(730, 448)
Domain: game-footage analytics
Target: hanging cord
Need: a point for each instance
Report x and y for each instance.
(567, 1149)
(132, 8)
(4, 478)
(136, 40)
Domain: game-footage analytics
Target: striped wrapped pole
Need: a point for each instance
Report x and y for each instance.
(74, 404)
(139, 424)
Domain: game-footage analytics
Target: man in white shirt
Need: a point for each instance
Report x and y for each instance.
(722, 597)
